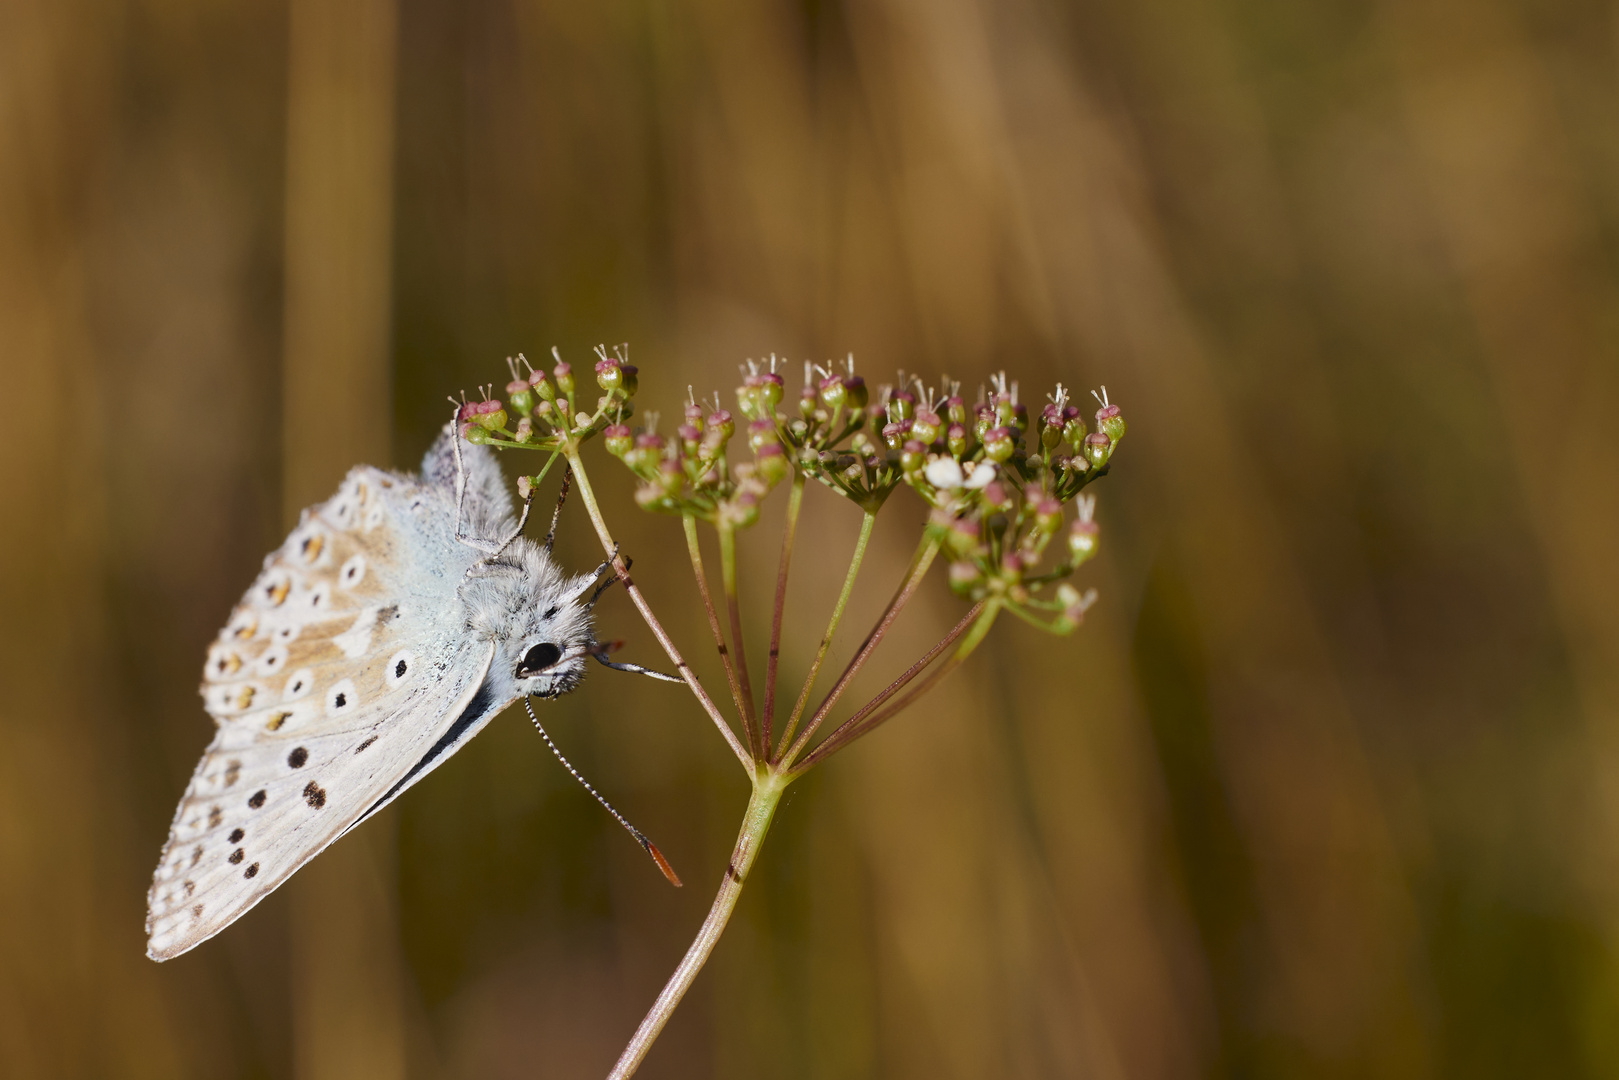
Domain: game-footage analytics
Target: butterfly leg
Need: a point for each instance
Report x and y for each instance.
(562, 497)
(636, 669)
(489, 547)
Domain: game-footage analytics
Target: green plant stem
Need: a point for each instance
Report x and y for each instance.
(849, 731)
(733, 609)
(918, 569)
(767, 791)
(794, 502)
(588, 496)
(831, 628)
(900, 683)
(694, 549)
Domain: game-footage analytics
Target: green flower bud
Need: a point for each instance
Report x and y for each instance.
(618, 439)
(1082, 540)
(999, 443)
(1098, 447)
(913, 457)
(925, 426)
(762, 433)
(609, 374)
(671, 477)
(517, 393)
(1110, 420)
(855, 387)
(964, 578)
(772, 464)
(834, 392)
(563, 374)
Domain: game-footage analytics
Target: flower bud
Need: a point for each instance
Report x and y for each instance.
(563, 374)
(525, 430)
(609, 374)
(769, 393)
(833, 392)
(1098, 447)
(632, 379)
(955, 410)
(902, 405)
(1048, 515)
(522, 400)
(694, 414)
(962, 539)
(964, 577)
(808, 401)
(1012, 566)
(720, 426)
(895, 434)
(1110, 420)
(671, 477)
(474, 433)
(744, 509)
(772, 464)
(1073, 430)
(762, 432)
(1082, 540)
(999, 443)
(646, 452)
(747, 397)
(691, 439)
(925, 426)
(995, 495)
(956, 440)
(487, 414)
(912, 456)
(855, 387)
(618, 439)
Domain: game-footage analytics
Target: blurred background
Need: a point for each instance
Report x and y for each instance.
(1327, 785)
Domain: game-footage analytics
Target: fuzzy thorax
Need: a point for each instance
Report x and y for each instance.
(520, 600)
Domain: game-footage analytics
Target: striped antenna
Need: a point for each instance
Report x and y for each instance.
(640, 837)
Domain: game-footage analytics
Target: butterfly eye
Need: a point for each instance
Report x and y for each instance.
(538, 658)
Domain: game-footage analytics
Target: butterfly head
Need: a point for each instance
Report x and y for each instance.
(536, 617)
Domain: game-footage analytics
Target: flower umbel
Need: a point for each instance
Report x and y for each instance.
(1007, 512)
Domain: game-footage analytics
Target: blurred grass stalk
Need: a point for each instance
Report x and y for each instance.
(347, 1018)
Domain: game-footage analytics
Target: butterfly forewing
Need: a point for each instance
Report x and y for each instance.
(328, 685)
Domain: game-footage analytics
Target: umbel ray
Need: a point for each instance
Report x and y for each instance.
(393, 624)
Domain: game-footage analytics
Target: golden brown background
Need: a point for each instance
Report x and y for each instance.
(1328, 785)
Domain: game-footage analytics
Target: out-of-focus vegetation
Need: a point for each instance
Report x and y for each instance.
(1326, 784)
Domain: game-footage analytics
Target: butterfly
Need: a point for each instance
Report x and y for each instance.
(377, 640)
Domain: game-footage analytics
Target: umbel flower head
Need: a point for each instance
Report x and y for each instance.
(1002, 484)
(1004, 481)
(1007, 512)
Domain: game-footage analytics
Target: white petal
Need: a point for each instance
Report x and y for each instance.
(944, 473)
(982, 474)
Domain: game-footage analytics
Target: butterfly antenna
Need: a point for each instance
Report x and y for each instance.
(562, 497)
(640, 837)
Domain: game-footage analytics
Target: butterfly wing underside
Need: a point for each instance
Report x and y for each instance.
(334, 685)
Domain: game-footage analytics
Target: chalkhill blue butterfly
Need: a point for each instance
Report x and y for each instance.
(394, 623)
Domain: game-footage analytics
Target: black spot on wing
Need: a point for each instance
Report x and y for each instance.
(479, 705)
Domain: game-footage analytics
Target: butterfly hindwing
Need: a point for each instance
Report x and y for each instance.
(328, 685)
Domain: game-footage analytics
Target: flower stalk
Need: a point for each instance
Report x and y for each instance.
(996, 479)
